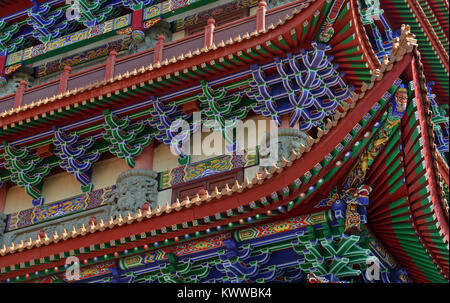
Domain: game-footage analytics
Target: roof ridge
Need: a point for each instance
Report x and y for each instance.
(431, 144)
(423, 18)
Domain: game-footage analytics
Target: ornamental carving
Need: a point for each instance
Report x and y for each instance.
(141, 41)
(133, 188)
(10, 85)
(351, 205)
(59, 224)
(280, 143)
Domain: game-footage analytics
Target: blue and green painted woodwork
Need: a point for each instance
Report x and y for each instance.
(76, 157)
(126, 139)
(26, 170)
(307, 86)
(223, 112)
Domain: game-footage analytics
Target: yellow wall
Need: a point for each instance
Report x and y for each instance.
(64, 185)
(54, 188)
(105, 173)
(163, 159)
(178, 35)
(16, 200)
(60, 186)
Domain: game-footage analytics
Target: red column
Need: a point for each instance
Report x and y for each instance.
(157, 54)
(109, 73)
(19, 94)
(145, 159)
(2, 65)
(3, 191)
(209, 32)
(63, 80)
(261, 16)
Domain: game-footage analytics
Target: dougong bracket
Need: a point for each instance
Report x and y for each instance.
(75, 156)
(26, 170)
(126, 140)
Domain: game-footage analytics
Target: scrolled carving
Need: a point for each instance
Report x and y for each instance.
(281, 141)
(151, 37)
(133, 188)
(59, 225)
(10, 85)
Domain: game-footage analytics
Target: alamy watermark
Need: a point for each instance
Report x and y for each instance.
(373, 271)
(72, 265)
(73, 12)
(210, 138)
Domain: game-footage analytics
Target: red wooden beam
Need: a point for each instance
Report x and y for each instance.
(158, 50)
(11, 7)
(136, 20)
(261, 16)
(2, 65)
(63, 80)
(209, 33)
(18, 98)
(110, 62)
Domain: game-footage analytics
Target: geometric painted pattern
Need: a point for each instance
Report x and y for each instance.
(46, 212)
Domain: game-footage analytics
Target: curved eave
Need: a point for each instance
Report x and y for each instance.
(430, 32)
(429, 148)
(350, 48)
(440, 10)
(8, 7)
(370, 55)
(407, 213)
(270, 182)
(184, 61)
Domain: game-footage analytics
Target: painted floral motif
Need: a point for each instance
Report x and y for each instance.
(40, 214)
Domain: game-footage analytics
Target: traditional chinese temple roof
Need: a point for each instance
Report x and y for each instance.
(229, 53)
